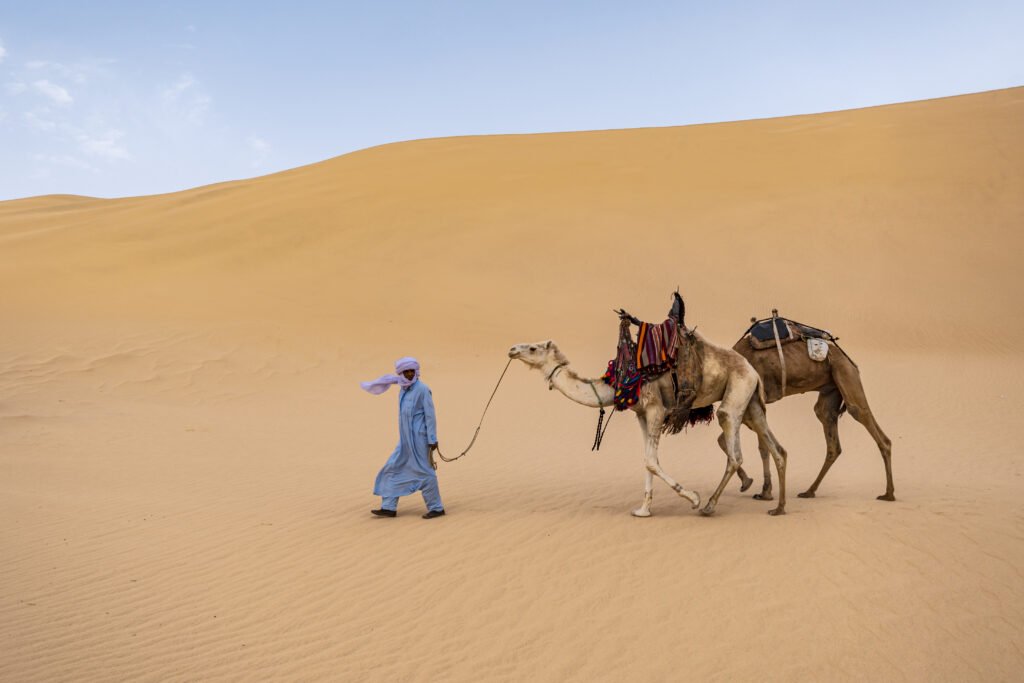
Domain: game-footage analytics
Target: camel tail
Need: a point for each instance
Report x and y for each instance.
(760, 392)
(844, 365)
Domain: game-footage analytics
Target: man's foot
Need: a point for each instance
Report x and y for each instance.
(385, 513)
(433, 513)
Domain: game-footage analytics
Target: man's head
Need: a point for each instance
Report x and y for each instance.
(409, 369)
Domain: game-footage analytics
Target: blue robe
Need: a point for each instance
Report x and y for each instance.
(408, 469)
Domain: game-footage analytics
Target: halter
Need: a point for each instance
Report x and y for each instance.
(551, 377)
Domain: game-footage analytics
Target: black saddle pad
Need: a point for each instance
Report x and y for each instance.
(762, 331)
(809, 332)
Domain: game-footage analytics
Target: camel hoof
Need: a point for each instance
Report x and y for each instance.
(887, 496)
(707, 510)
(776, 512)
(746, 484)
(694, 504)
(805, 494)
(763, 496)
(640, 512)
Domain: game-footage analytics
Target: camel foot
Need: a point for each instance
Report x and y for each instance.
(887, 496)
(763, 496)
(805, 494)
(691, 496)
(708, 510)
(640, 512)
(745, 484)
(777, 511)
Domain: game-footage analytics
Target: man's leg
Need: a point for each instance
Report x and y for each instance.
(432, 496)
(389, 503)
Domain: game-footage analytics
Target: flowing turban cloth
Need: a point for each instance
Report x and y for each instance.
(384, 382)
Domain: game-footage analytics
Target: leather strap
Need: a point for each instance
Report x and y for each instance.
(778, 347)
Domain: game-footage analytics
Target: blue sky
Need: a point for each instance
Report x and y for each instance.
(124, 98)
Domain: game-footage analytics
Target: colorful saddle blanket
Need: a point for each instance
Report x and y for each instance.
(656, 347)
(653, 354)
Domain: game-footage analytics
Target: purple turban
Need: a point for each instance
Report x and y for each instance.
(384, 382)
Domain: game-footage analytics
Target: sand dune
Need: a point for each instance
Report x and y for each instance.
(187, 459)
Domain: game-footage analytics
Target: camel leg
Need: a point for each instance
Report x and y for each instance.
(645, 509)
(755, 419)
(766, 487)
(847, 378)
(827, 409)
(745, 481)
(730, 443)
(651, 427)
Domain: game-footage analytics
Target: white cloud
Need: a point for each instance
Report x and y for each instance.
(103, 146)
(173, 92)
(198, 108)
(36, 122)
(55, 92)
(65, 160)
(80, 72)
(186, 100)
(3, 51)
(15, 88)
(260, 149)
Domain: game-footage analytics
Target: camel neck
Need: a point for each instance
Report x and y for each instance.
(591, 393)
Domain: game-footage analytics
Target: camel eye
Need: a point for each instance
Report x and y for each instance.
(533, 348)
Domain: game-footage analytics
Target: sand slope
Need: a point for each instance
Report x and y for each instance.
(186, 458)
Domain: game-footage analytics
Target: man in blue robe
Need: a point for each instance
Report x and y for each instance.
(410, 467)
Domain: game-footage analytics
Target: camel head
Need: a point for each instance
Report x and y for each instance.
(535, 355)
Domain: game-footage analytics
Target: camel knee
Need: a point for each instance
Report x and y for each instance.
(652, 467)
(780, 457)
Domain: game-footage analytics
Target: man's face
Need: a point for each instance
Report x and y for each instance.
(409, 374)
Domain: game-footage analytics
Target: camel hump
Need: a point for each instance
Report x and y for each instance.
(761, 334)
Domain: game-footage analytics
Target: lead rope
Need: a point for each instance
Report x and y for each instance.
(479, 424)
(599, 434)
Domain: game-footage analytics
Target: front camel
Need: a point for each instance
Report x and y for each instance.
(726, 378)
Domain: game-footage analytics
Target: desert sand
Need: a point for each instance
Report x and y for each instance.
(186, 458)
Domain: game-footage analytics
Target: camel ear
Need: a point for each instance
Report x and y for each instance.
(547, 344)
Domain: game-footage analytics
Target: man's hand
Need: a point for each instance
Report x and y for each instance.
(430, 452)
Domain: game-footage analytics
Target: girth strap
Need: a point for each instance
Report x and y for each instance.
(778, 347)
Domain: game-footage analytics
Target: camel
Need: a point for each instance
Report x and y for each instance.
(837, 381)
(727, 377)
